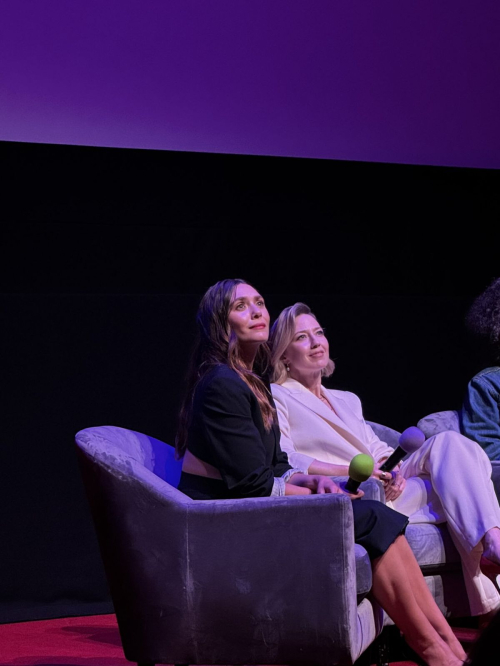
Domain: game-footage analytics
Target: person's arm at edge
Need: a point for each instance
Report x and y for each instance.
(480, 416)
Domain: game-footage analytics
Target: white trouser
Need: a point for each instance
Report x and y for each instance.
(448, 479)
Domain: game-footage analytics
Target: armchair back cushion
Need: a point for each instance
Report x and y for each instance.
(432, 424)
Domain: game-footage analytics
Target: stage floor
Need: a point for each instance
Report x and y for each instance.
(89, 641)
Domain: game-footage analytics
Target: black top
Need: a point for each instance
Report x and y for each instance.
(227, 431)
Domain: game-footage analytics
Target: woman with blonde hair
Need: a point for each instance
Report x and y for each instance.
(229, 441)
(323, 429)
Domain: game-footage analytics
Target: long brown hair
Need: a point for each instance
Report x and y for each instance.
(216, 344)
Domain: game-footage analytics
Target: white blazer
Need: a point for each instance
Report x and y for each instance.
(311, 431)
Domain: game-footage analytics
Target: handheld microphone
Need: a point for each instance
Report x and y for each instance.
(410, 440)
(360, 469)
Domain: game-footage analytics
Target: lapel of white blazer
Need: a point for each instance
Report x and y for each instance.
(342, 420)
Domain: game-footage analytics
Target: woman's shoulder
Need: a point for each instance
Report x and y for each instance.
(347, 396)
(488, 379)
(342, 394)
(492, 372)
(223, 378)
(290, 386)
(220, 370)
(278, 389)
(282, 391)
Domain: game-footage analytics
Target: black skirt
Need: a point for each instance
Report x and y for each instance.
(376, 526)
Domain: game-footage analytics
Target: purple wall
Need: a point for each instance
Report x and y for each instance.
(393, 81)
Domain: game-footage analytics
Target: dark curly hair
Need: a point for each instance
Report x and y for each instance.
(483, 318)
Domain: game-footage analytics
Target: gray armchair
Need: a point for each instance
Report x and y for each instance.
(249, 581)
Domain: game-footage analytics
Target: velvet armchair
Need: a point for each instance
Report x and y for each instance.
(247, 581)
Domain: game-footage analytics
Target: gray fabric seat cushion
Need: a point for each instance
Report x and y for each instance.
(432, 545)
(386, 434)
(363, 572)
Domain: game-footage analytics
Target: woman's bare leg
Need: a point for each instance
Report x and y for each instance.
(425, 599)
(397, 589)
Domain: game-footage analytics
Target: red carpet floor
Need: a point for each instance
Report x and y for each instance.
(85, 641)
(71, 641)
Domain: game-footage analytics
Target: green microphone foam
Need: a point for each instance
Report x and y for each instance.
(361, 467)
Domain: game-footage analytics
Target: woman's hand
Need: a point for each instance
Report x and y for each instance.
(325, 484)
(385, 477)
(319, 484)
(394, 483)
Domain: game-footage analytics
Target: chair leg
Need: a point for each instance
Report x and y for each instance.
(384, 650)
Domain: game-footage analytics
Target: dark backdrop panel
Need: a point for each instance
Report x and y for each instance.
(45, 182)
(100, 289)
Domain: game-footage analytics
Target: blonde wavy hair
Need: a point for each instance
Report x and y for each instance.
(282, 334)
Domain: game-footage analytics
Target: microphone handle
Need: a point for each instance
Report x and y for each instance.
(352, 486)
(393, 459)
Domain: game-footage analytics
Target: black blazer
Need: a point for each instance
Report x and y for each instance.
(227, 431)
